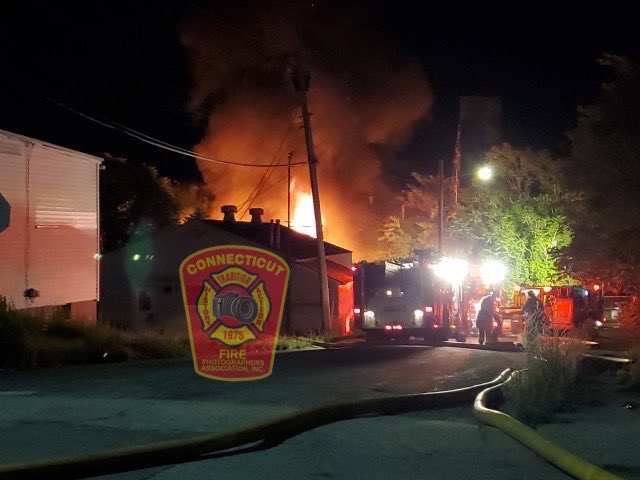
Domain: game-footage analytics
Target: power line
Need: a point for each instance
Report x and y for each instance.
(260, 188)
(266, 174)
(152, 140)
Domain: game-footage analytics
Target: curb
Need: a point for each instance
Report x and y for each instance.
(558, 456)
(492, 347)
(269, 434)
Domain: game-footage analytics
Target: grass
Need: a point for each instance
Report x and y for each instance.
(297, 342)
(548, 384)
(29, 342)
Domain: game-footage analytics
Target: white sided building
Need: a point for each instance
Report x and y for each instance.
(49, 250)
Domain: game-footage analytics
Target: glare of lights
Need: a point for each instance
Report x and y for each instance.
(546, 289)
(388, 327)
(97, 256)
(598, 323)
(369, 314)
(452, 270)
(492, 272)
(356, 310)
(485, 173)
(428, 309)
(389, 293)
(418, 314)
(596, 287)
(136, 257)
(354, 268)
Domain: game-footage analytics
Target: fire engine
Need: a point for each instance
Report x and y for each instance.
(402, 300)
(566, 307)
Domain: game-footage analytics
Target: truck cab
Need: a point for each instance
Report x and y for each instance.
(402, 300)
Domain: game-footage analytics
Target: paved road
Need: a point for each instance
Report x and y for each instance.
(436, 445)
(71, 411)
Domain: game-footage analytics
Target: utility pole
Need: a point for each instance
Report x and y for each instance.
(440, 204)
(301, 82)
(457, 162)
(289, 156)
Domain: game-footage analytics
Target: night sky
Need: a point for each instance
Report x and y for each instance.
(124, 62)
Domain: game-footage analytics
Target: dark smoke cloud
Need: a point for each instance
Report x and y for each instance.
(363, 96)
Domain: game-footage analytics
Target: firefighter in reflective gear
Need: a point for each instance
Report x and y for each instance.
(485, 317)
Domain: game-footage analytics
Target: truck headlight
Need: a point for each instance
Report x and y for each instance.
(418, 314)
(369, 314)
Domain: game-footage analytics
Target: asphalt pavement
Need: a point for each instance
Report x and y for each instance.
(70, 411)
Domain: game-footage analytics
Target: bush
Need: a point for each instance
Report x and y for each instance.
(27, 342)
(548, 383)
(16, 349)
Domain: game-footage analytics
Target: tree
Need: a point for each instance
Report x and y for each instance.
(194, 200)
(401, 237)
(519, 217)
(133, 199)
(603, 166)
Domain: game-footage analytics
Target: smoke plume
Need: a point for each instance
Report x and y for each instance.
(364, 98)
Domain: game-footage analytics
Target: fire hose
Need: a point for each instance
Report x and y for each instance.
(558, 456)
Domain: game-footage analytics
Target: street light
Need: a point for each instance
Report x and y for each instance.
(484, 173)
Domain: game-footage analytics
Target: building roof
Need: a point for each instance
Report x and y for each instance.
(291, 243)
(335, 271)
(68, 151)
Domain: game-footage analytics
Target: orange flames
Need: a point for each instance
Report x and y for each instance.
(303, 219)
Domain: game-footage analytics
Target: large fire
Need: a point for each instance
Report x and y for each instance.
(303, 219)
(365, 100)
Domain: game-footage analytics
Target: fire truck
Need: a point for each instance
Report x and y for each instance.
(402, 300)
(566, 307)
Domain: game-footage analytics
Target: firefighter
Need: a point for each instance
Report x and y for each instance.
(534, 316)
(485, 317)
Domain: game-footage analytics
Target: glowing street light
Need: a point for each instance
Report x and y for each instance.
(485, 173)
(492, 272)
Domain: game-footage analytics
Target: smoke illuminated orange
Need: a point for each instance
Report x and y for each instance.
(364, 100)
(303, 219)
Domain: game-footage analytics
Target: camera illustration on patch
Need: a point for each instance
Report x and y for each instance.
(234, 297)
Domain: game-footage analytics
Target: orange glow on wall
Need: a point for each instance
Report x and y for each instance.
(346, 312)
